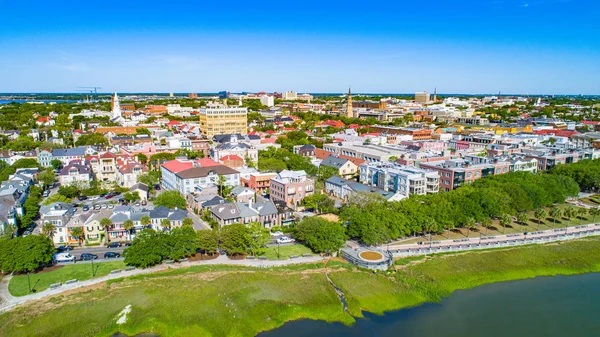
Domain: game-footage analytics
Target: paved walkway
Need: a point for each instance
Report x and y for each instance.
(9, 302)
(497, 241)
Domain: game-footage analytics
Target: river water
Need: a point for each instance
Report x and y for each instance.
(562, 306)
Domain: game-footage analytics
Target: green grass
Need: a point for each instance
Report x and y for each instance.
(242, 301)
(286, 251)
(19, 286)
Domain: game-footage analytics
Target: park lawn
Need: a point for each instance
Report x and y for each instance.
(232, 301)
(19, 286)
(286, 251)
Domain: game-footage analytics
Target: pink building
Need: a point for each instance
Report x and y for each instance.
(291, 187)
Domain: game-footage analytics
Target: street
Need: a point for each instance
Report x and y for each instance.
(95, 250)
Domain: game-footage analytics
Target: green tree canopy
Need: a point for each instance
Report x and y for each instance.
(170, 199)
(321, 235)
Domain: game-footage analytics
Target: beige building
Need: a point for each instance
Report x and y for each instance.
(223, 121)
(422, 97)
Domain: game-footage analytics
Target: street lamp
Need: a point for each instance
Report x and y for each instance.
(29, 282)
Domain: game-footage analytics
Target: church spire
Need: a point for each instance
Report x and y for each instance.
(349, 112)
(116, 107)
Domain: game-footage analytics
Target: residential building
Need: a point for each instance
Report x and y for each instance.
(263, 211)
(244, 150)
(76, 172)
(406, 180)
(307, 150)
(188, 176)
(345, 168)
(290, 187)
(341, 188)
(141, 189)
(223, 120)
(68, 155)
(243, 194)
(258, 181)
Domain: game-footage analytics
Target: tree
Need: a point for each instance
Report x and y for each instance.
(321, 203)
(145, 220)
(569, 212)
(56, 164)
(234, 239)
(46, 177)
(539, 214)
(151, 178)
(326, 172)
(170, 199)
(91, 139)
(393, 159)
(56, 198)
(487, 223)
(129, 196)
(320, 235)
(505, 219)
(581, 212)
(594, 211)
(469, 225)
(25, 254)
(522, 219)
(147, 249)
(128, 225)
(77, 232)
(182, 242)
(208, 240)
(48, 230)
(106, 223)
(555, 213)
(258, 237)
(142, 158)
(187, 222)
(165, 224)
(70, 191)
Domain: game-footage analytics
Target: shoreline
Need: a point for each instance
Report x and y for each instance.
(167, 304)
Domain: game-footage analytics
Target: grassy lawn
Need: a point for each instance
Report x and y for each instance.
(242, 301)
(496, 229)
(286, 251)
(18, 285)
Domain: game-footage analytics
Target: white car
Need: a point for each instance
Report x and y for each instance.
(63, 257)
(278, 233)
(94, 197)
(285, 239)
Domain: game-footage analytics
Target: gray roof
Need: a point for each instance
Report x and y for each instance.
(119, 218)
(216, 200)
(233, 146)
(139, 186)
(81, 169)
(266, 207)
(226, 211)
(77, 151)
(178, 215)
(334, 161)
(137, 216)
(241, 189)
(159, 212)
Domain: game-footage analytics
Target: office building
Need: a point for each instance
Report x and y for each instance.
(223, 120)
(422, 97)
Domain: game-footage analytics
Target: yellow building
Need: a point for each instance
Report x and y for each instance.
(223, 120)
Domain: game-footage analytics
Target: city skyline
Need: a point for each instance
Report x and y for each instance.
(471, 47)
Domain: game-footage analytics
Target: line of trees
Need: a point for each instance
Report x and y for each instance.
(586, 173)
(25, 254)
(374, 221)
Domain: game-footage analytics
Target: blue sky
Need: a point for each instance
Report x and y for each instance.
(469, 46)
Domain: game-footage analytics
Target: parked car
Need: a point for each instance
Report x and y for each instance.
(111, 206)
(127, 244)
(114, 245)
(26, 233)
(278, 233)
(46, 193)
(64, 248)
(97, 207)
(144, 202)
(285, 239)
(103, 195)
(82, 198)
(110, 196)
(86, 208)
(94, 197)
(111, 255)
(157, 187)
(88, 256)
(137, 203)
(104, 206)
(63, 257)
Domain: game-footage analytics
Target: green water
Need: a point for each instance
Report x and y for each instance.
(565, 306)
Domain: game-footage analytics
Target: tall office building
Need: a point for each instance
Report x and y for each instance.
(422, 97)
(349, 112)
(289, 95)
(223, 120)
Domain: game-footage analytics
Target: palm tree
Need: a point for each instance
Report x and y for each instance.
(594, 211)
(106, 223)
(539, 214)
(487, 223)
(165, 223)
(569, 212)
(221, 183)
(77, 232)
(469, 224)
(580, 213)
(555, 212)
(128, 225)
(505, 219)
(48, 230)
(145, 220)
(522, 219)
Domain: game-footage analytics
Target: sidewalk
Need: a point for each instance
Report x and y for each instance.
(9, 302)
